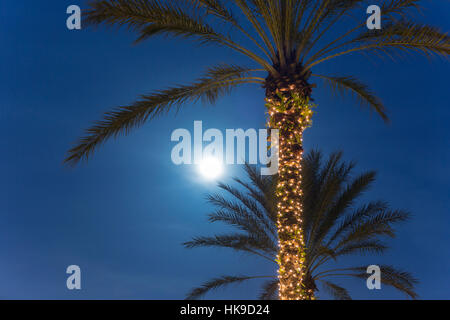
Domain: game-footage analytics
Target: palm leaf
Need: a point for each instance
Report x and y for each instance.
(239, 242)
(362, 247)
(158, 17)
(401, 280)
(338, 292)
(373, 226)
(218, 81)
(347, 84)
(218, 9)
(331, 180)
(342, 202)
(408, 35)
(269, 290)
(253, 212)
(247, 220)
(400, 37)
(310, 185)
(399, 6)
(261, 190)
(359, 215)
(215, 283)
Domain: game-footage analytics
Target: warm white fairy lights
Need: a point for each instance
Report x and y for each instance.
(291, 114)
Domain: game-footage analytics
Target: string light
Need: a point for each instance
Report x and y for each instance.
(291, 114)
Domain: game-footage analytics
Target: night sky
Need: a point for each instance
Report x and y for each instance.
(123, 216)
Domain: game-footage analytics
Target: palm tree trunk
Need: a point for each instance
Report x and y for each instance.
(290, 112)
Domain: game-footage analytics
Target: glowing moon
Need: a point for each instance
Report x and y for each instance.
(210, 168)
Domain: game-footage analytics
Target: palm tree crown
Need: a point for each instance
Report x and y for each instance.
(290, 37)
(334, 226)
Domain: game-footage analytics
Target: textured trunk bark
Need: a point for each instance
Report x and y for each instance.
(290, 112)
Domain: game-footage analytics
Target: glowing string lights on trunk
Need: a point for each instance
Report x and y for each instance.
(291, 113)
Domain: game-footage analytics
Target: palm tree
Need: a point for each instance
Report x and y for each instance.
(284, 41)
(332, 223)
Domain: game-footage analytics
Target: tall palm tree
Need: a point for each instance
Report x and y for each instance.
(333, 225)
(283, 40)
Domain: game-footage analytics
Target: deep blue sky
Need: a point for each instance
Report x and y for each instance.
(123, 216)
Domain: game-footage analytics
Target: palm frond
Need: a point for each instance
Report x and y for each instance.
(157, 17)
(423, 38)
(239, 242)
(214, 284)
(269, 290)
(331, 178)
(324, 15)
(342, 202)
(323, 253)
(310, 186)
(238, 215)
(338, 292)
(253, 212)
(269, 12)
(245, 223)
(218, 81)
(249, 13)
(348, 84)
(398, 7)
(362, 247)
(396, 38)
(401, 280)
(151, 17)
(335, 12)
(360, 214)
(390, 9)
(217, 9)
(261, 189)
(220, 11)
(376, 225)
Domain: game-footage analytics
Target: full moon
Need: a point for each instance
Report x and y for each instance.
(210, 168)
